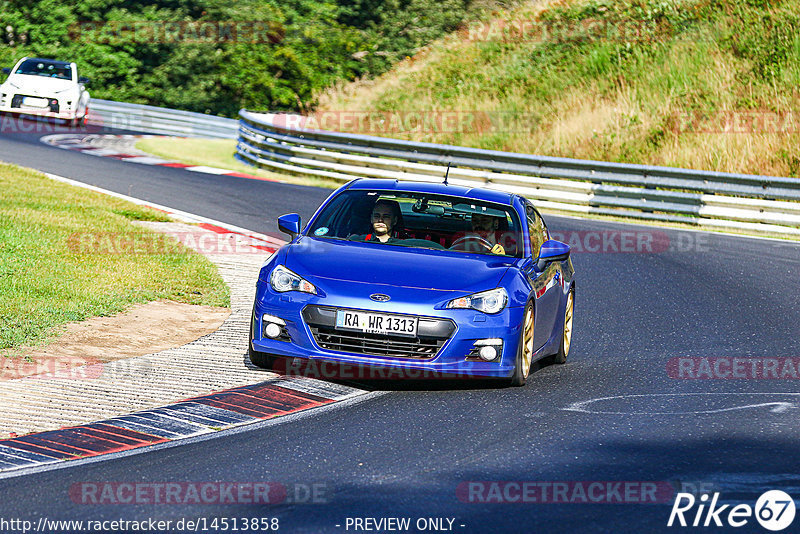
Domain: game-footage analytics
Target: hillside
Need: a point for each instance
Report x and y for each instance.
(707, 84)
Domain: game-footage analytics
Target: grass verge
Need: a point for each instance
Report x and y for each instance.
(218, 153)
(47, 280)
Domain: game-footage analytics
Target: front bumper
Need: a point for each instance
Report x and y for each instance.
(435, 353)
(39, 113)
(12, 104)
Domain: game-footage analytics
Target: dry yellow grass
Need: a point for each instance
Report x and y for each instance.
(686, 103)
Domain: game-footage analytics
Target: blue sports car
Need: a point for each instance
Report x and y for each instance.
(423, 279)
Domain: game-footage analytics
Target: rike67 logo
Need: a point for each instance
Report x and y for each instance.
(774, 511)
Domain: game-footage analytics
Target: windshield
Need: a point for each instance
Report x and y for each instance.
(421, 220)
(48, 69)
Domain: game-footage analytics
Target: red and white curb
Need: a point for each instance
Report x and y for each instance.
(121, 147)
(205, 414)
(132, 403)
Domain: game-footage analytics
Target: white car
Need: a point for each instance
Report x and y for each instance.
(45, 87)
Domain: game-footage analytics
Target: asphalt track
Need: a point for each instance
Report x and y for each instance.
(410, 450)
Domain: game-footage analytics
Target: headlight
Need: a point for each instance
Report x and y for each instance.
(491, 301)
(282, 279)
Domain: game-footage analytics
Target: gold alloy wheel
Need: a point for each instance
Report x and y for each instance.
(527, 348)
(568, 324)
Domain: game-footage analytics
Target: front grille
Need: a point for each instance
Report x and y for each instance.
(376, 344)
(431, 335)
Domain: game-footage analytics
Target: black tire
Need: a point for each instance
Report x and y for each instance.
(522, 363)
(560, 357)
(259, 359)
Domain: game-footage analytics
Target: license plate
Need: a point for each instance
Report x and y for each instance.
(34, 102)
(376, 323)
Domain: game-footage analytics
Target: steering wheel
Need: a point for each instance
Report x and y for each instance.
(485, 243)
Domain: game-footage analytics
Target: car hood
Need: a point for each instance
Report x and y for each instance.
(45, 86)
(394, 265)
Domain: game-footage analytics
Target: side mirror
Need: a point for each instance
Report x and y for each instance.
(289, 224)
(83, 80)
(551, 251)
(6, 70)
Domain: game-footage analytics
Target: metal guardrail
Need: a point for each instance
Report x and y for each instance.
(704, 198)
(152, 119)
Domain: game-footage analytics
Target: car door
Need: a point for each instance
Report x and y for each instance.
(546, 283)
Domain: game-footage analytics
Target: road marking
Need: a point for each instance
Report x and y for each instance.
(587, 406)
(98, 145)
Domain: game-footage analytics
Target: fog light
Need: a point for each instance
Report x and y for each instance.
(272, 330)
(487, 350)
(488, 353)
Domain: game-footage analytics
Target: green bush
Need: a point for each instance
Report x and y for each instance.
(311, 44)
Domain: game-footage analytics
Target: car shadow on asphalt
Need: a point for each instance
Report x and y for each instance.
(371, 378)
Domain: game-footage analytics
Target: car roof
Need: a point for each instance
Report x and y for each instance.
(57, 62)
(477, 193)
